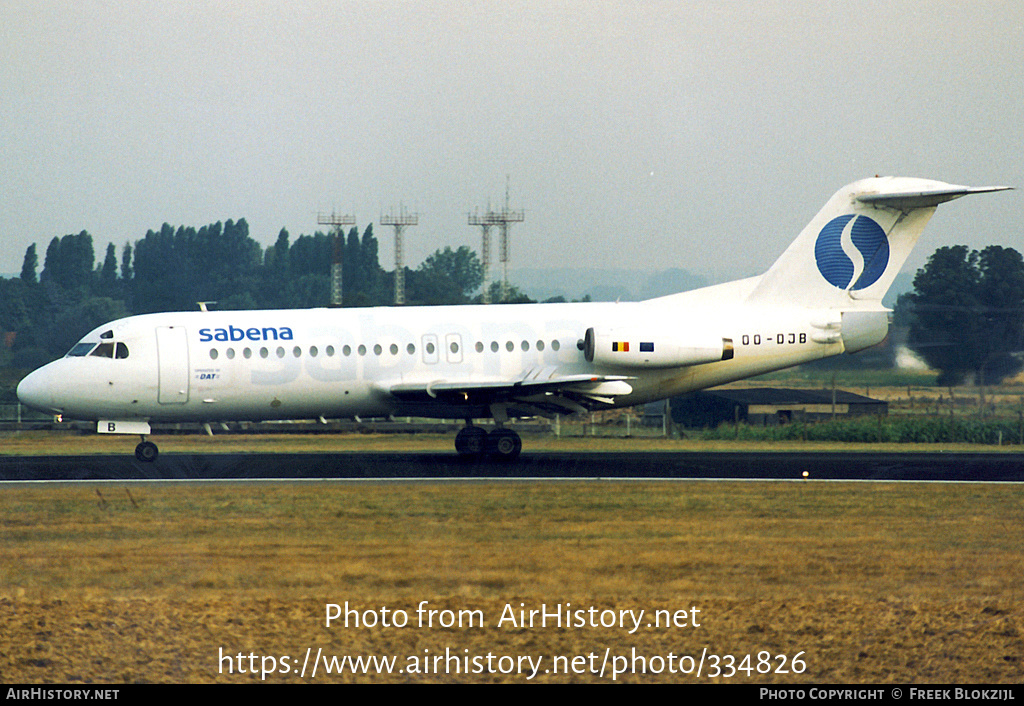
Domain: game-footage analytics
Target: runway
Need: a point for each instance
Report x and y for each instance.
(939, 466)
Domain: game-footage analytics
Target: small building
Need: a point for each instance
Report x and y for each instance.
(766, 406)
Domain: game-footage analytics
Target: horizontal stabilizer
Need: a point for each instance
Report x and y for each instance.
(908, 200)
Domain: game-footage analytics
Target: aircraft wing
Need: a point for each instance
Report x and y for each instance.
(541, 391)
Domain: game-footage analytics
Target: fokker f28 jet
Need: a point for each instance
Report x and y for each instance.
(822, 297)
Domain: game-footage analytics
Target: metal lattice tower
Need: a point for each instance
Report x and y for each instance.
(337, 222)
(503, 219)
(485, 224)
(399, 223)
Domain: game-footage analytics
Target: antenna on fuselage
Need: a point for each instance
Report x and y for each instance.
(202, 305)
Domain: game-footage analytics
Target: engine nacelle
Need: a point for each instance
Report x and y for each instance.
(646, 349)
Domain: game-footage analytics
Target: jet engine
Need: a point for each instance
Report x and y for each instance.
(646, 349)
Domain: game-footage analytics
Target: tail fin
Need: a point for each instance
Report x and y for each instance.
(850, 253)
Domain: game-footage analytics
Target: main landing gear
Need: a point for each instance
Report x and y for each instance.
(473, 441)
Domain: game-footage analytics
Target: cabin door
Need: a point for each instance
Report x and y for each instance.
(172, 362)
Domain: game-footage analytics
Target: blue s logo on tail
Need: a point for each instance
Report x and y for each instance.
(851, 252)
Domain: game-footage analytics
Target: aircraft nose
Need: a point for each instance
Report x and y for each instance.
(35, 391)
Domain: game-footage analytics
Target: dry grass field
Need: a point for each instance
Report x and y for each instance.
(857, 582)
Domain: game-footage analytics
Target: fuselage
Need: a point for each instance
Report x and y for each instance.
(821, 297)
(291, 364)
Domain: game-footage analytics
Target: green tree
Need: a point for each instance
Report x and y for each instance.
(458, 271)
(175, 269)
(351, 272)
(966, 313)
(277, 273)
(126, 263)
(108, 285)
(311, 255)
(69, 263)
(375, 290)
(74, 321)
(160, 274)
(29, 266)
(513, 296)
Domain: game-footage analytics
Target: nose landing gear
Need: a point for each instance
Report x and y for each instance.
(146, 451)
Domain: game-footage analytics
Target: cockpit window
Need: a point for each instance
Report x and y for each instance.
(107, 334)
(80, 349)
(104, 350)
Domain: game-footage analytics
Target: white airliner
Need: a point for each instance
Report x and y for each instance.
(820, 298)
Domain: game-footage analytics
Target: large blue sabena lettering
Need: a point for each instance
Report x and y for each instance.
(268, 333)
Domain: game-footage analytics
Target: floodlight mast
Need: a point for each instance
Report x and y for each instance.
(485, 224)
(503, 219)
(399, 222)
(337, 222)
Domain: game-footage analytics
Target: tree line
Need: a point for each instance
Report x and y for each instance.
(965, 316)
(44, 312)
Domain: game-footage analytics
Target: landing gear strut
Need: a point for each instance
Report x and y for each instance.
(146, 451)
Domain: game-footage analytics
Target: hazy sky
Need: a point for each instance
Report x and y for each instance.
(644, 135)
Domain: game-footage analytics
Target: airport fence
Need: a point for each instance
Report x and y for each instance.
(15, 417)
(908, 429)
(896, 429)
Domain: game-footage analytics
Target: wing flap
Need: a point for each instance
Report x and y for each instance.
(536, 385)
